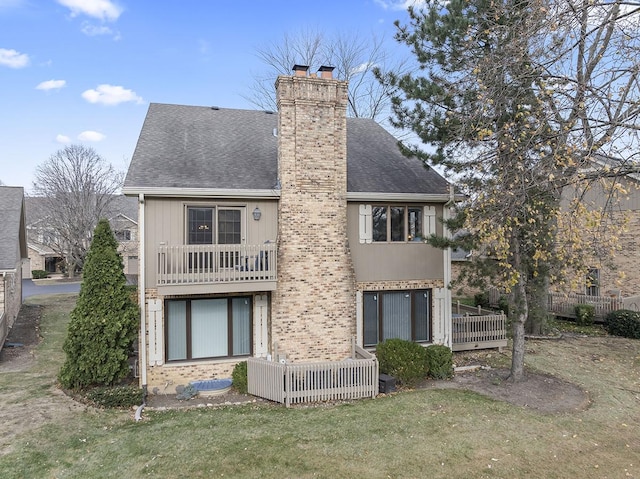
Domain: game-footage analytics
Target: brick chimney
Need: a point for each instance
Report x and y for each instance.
(313, 308)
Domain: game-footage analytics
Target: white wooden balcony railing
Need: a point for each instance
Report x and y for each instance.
(203, 264)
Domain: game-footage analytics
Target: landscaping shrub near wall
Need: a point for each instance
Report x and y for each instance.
(402, 359)
(585, 314)
(39, 274)
(439, 361)
(623, 322)
(239, 377)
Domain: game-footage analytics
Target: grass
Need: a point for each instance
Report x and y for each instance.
(555, 325)
(423, 433)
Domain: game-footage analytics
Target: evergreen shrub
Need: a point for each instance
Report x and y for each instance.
(39, 274)
(439, 361)
(104, 323)
(239, 378)
(503, 305)
(402, 359)
(585, 314)
(115, 397)
(481, 299)
(623, 322)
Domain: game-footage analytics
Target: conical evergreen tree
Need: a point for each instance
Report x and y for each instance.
(103, 325)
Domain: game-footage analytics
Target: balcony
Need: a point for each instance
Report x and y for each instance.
(196, 269)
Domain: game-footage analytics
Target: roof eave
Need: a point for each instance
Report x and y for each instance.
(200, 192)
(406, 197)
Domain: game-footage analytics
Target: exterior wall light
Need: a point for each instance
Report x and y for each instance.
(257, 214)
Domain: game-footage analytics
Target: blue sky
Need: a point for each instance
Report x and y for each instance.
(85, 71)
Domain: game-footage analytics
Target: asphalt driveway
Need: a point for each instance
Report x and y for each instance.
(29, 288)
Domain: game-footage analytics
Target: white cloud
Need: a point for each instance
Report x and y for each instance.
(63, 139)
(111, 95)
(100, 9)
(94, 30)
(51, 85)
(13, 59)
(363, 67)
(399, 4)
(91, 136)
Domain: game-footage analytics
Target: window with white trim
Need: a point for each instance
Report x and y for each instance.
(396, 223)
(208, 328)
(397, 314)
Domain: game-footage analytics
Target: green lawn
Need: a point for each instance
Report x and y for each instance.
(416, 434)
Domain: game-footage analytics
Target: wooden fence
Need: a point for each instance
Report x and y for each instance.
(470, 332)
(563, 304)
(293, 383)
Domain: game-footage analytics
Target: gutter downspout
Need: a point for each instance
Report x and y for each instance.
(141, 291)
(447, 270)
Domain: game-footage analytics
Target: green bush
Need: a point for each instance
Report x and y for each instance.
(481, 299)
(239, 377)
(439, 361)
(503, 305)
(115, 397)
(104, 323)
(39, 274)
(623, 322)
(402, 359)
(585, 314)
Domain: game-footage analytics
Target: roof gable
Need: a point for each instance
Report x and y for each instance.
(191, 147)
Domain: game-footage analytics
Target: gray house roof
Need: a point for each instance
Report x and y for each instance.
(13, 245)
(215, 148)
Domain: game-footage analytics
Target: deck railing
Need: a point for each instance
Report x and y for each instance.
(293, 383)
(197, 264)
(478, 332)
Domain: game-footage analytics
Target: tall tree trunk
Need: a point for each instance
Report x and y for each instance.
(520, 315)
(538, 289)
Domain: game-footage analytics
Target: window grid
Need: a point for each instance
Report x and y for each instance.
(397, 223)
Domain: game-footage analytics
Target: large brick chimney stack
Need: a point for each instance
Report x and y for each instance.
(313, 312)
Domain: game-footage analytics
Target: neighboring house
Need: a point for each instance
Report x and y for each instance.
(282, 235)
(613, 273)
(42, 238)
(13, 250)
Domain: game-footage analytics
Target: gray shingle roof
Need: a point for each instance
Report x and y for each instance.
(202, 147)
(12, 239)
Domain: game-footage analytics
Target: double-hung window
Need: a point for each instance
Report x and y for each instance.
(208, 328)
(397, 314)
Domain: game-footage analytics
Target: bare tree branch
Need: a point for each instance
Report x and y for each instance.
(77, 187)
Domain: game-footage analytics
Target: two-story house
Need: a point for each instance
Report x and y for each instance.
(45, 244)
(281, 234)
(13, 251)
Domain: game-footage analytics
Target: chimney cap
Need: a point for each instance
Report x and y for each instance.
(301, 70)
(325, 68)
